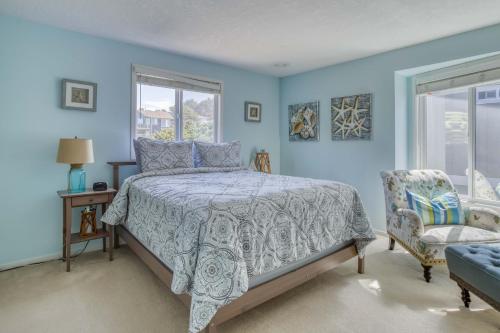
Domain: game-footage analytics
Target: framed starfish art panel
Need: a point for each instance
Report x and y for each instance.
(352, 117)
(303, 122)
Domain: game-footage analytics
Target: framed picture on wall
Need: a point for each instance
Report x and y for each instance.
(303, 122)
(79, 95)
(351, 117)
(253, 111)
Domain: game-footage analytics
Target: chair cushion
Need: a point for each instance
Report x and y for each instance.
(478, 265)
(441, 209)
(435, 234)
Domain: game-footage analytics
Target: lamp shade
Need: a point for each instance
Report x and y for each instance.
(75, 151)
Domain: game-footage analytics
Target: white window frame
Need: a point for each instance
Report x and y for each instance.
(146, 70)
(420, 128)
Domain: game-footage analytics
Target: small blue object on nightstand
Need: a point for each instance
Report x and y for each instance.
(75, 152)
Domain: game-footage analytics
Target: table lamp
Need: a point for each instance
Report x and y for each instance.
(75, 152)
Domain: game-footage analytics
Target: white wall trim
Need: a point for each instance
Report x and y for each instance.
(92, 247)
(29, 261)
(380, 232)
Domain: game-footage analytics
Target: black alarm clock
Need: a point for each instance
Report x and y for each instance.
(100, 186)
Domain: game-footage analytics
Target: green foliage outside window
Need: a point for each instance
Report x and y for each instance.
(195, 124)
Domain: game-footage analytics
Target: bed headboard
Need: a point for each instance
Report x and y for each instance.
(116, 171)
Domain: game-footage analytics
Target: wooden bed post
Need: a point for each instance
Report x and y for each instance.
(116, 171)
(361, 265)
(116, 185)
(116, 177)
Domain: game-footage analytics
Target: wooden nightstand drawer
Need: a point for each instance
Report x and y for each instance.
(89, 200)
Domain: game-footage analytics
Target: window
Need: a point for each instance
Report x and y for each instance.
(174, 107)
(487, 154)
(459, 130)
(446, 139)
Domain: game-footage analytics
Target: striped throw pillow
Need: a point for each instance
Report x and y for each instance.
(443, 209)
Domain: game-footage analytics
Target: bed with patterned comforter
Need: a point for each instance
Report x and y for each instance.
(219, 227)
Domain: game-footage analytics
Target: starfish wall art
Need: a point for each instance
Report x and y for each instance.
(352, 117)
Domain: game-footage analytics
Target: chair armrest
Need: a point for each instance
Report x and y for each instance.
(410, 218)
(483, 218)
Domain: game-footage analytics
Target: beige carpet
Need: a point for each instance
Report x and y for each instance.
(124, 296)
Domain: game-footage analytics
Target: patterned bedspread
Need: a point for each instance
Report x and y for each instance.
(218, 227)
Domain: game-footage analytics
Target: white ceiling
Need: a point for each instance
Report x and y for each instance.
(256, 34)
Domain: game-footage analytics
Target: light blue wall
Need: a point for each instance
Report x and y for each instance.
(33, 60)
(359, 163)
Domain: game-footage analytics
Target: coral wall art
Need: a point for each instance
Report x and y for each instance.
(352, 117)
(303, 122)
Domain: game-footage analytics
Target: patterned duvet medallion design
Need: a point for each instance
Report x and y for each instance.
(218, 227)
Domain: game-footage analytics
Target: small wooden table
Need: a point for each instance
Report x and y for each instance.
(87, 198)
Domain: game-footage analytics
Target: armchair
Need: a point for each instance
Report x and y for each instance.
(427, 242)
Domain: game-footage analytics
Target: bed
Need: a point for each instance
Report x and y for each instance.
(227, 239)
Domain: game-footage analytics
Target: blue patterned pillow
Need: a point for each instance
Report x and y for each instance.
(217, 154)
(159, 155)
(443, 209)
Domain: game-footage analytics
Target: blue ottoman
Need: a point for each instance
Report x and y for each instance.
(476, 268)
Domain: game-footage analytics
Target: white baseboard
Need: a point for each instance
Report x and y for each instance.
(93, 246)
(29, 261)
(380, 232)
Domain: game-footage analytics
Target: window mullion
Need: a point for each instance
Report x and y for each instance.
(181, 115)
(424, 132)
(417, 135)
(421, 132)
(471, 150)
(216, 118)
(178, 114)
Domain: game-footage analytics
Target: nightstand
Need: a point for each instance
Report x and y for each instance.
(87, 198)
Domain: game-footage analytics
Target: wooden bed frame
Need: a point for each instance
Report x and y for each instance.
(253, 296)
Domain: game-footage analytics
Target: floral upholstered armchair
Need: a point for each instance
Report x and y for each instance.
(427, 242)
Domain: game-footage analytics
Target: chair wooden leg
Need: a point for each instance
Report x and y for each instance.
(465, 296)
(427, 273)
(361, 265)
(392, 242)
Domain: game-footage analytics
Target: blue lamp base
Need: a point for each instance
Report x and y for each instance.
(76, 179)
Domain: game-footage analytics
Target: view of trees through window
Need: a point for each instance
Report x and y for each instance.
(159, 109)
